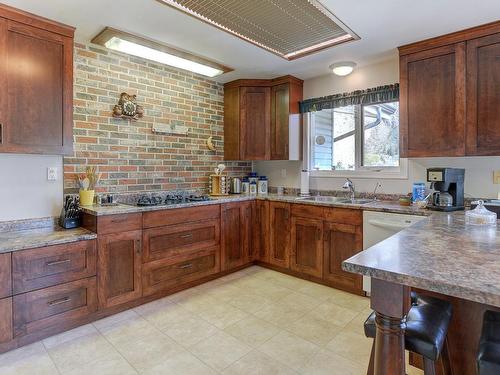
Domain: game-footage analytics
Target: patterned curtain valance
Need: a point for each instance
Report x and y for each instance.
(369, 96)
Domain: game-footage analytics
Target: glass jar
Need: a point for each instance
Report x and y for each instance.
(245, 186)
(262, 185)
(481, 216)
(253, 188)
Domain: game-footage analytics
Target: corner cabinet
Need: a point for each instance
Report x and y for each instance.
(261, 119)
(236, 234)
(449, 95)
(36, 84)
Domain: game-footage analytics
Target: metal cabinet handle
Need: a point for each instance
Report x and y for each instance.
(184, 266)
(138, 244)
(56, 262)
(59, 301)
(189, 235)
(1, 134)
(318, 234)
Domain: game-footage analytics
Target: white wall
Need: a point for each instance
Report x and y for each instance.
(24, 190)
(479, 170)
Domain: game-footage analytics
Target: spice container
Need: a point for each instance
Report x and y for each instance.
(262, 185)
(481, 216)
(253, 177)
(245, 186)
(253, 188)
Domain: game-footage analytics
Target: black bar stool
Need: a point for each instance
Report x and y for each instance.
(425, 333)
(488, 357)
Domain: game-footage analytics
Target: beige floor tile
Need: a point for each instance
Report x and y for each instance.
(197, 303)
(73, 334)
(280, 314)
(252, 331)
(153, 307)
(289, 282)
(135, 329)
(115, 319)
(114, 364)
(334, 313)
(313, 329)
(327, 363)
(357, 324)
(290, 349)
(222, 315)
(352, 346)
(318, 291)
(28, 360)
(78, 352)
(148, 352)
(162, 316)
(272, 291)
(250, 302)
(257, 363)
(220, 351)
(299, 300)
(350, 301)
(181, 364)
(224, 292)
(189, 330)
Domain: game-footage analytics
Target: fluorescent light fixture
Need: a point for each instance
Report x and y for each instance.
(343, 68)
(137, 46)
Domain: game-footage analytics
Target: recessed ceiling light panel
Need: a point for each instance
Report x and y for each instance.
(137, 46)
(288, 28)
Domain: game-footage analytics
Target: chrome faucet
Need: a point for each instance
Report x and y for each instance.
(349, 185)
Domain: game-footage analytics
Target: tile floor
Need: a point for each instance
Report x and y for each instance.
(255, 321)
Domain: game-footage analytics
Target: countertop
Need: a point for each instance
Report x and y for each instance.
(15, 240)
(440, 254)
(383, 206)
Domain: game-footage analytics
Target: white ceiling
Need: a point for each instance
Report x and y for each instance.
(382, 25)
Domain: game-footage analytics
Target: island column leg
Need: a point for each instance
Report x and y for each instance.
(391, 303)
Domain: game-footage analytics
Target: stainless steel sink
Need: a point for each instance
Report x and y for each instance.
(336, 200)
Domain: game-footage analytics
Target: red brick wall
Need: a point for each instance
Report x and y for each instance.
(129, 155)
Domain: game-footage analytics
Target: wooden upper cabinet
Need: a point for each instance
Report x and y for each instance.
(307, 246)
(36, 84)
(236, 234)
(483, 95)
(261, 119)
(119, 268)
(432, 100)
(279, 234)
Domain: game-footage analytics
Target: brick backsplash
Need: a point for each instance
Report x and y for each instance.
(129, 155)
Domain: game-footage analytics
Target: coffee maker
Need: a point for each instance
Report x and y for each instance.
(448, 184)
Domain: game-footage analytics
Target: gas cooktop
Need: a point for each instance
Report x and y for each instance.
(154, 200)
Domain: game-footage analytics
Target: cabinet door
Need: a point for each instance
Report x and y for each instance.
(6, 331)
(37, 90)
(280, 112)
(119, 268)
(5, 275)
(307, 246)
(279, 234)
(236, 221)
(483, 96)
(432, 102)
(341, 241)
(260, 241)
(254, 123)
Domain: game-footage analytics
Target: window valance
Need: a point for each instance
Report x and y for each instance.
(369, 96)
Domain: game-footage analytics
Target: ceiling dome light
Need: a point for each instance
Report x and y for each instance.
(343, 68)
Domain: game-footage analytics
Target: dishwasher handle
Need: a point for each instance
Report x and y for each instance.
(388, 225)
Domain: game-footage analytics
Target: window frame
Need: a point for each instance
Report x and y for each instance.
(360, 171)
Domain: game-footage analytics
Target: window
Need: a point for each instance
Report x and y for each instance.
(357, 138)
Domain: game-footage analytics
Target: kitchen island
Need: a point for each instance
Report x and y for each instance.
(441, 256)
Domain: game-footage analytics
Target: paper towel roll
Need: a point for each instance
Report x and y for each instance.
(304, 184)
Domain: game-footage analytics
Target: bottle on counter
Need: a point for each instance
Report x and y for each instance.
(245, 185)
(253, 188)
(262, 185)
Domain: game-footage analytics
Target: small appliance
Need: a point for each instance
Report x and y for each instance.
(235, 185)
(448, 184)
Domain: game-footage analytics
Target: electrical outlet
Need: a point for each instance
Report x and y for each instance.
(283, 173)
(51, 174)
(496, 177)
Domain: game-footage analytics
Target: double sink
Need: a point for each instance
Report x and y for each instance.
(335, 200)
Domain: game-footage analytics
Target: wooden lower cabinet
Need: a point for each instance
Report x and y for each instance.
(47, 308)
(341, 241)
(236, 247)
(119, 268)
(306, 254)
(5, 275)
(6, 331)
(260, 227)
(279, 234)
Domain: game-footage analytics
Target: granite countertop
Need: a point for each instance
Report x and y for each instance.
(22, 239)
(440, 254)
(384, 206)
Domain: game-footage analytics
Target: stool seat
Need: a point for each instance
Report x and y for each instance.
(488, 358)
(426, 326)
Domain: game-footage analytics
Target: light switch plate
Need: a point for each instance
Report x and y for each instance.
(52, 174)
(496, 177)
(283, 173)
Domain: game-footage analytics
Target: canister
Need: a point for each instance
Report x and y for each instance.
(262, 185)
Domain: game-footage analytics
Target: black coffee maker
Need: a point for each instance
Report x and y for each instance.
(449, 186)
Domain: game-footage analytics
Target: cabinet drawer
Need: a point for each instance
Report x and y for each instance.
(167, 274)
(304, 210)
(119, 223)
(5, 275)
(61, 304)
(5, 320)
(174, 240)
(181, 215)
(344, 216)
(52, 265)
